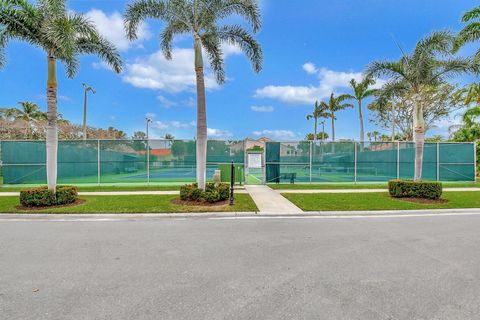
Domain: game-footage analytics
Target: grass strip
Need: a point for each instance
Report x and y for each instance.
(378, 201)
(132, 204)
(340, 186)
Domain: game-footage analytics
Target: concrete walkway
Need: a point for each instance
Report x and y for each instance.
(118, 193)
(363, 190)
(269, 201)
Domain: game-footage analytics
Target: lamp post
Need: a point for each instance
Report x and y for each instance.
(86, 90)
(147, 122)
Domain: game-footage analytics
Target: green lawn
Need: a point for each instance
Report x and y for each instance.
(336, 186)
(131, 204)
(92, 188)
(377, 201)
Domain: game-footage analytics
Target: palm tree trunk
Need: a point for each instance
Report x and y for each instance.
(52, 138)
(418, 138)
(360, 116)
(315, 130)
(333, 132)
(201, 116)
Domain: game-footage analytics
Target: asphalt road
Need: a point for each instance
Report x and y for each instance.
(374, 268)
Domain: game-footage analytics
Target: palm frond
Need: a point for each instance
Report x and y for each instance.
(220, 9)
(378, 69)
(102, 48)
(236, 35)
(166, 37)
(469, 33)
(211, 44)
(472, 14)
(168, 11)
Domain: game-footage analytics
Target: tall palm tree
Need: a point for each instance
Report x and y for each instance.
(334, 105)
(429, 65)
(361, 91)
(320, 111)
(62, 35)
(204, 21)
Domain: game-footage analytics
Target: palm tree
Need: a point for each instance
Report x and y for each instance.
(428, 66)
(29, 112)
(204, 21)
(63, 35)
(361, 91)
(471, 32)
(334, 105)
(320, 111)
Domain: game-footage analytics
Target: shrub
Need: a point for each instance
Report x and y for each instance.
(190, 192)
(37, 197)
(412, 189)
(213, 193)
(42, 197)
(66, 195)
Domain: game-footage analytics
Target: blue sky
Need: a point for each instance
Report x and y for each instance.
(311, 47)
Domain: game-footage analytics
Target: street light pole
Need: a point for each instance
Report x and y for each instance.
(147, 122)
(86, 89)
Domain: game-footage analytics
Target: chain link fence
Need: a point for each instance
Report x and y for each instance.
(174, 161)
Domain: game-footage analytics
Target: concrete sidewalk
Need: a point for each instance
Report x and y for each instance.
(118, 193)
(364, 190)
(269, 201)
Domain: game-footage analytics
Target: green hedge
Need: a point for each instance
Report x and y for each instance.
(213, 193)
(42, 197)
(412, 189)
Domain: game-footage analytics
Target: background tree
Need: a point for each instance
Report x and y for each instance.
(320, 111)
(169, 136)
(397, 110)
(63, 35)
(334, 105)
(429, 65)
(311, 137)
(361, 91)
(204, 20)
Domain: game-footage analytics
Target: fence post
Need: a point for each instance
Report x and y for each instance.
(438, 161)
(98, 161)
(475, 161)
(148, 161)
(311, 148)
(355, 156)
(398, 160)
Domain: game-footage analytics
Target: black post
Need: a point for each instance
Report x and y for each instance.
(232, 183)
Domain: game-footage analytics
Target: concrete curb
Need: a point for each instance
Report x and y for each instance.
(235, 215)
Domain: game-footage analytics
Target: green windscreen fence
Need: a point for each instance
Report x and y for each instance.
(115, 161)
(174, 161)
(367, 162)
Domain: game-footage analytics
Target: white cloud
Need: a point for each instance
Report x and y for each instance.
(173, 124)
(262, 108)
(218, 134)
(329, 81)
(165, 102)
(173, 76)
(310, 68)
(279, 135)
(111, 27)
